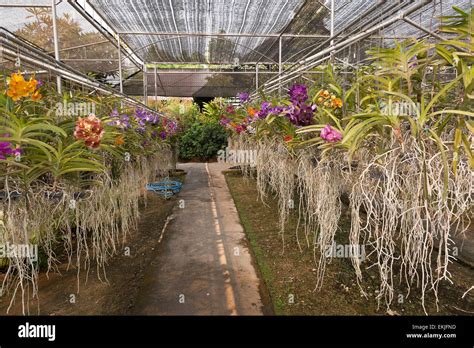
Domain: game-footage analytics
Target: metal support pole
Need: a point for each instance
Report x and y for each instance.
(333, 9)
(280, 66)
(256, 77)
(24, 5)
(211, 73)
(145, 86)
(56, 42)
(156, 86)
(120, 64)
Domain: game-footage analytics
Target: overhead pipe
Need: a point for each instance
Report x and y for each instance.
(56, 41)
(119, 51)
(416, 25)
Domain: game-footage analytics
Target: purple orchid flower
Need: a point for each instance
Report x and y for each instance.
(171, 127)
(244, 97)
(120, 121)
(225, 121)
(125, 121)
(264, 110)
(298, 94)
(277, 110)
(154, 119)
(300, 115)
(114, 113)
(7, 149)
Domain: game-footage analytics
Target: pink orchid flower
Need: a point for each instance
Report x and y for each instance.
(330, 134)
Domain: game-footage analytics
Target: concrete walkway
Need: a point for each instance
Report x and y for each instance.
(204, 266)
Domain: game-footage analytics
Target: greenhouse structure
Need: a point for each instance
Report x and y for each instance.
(237, 157)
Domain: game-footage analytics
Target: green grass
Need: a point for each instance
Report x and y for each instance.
(264, 268)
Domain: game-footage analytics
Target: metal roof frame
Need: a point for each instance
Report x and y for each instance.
(358, 27)
(15, 47)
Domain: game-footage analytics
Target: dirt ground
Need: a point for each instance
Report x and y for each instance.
(290, 274)
(124, 273)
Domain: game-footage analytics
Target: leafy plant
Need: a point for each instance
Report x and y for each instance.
(202, 141)
(459, 50)
(403, 63)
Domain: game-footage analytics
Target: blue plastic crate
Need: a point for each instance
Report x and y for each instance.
(166, 188)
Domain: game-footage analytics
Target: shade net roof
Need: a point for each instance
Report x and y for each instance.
(254, 19)
(351, 14)
(244, 17)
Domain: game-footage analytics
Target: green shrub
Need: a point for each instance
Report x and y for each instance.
(202, 140)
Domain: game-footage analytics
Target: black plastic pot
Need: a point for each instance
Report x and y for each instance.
(13, 195)
(59, 194)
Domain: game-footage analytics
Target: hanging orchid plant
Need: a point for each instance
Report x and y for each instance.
(395, 137)
(49, 158)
